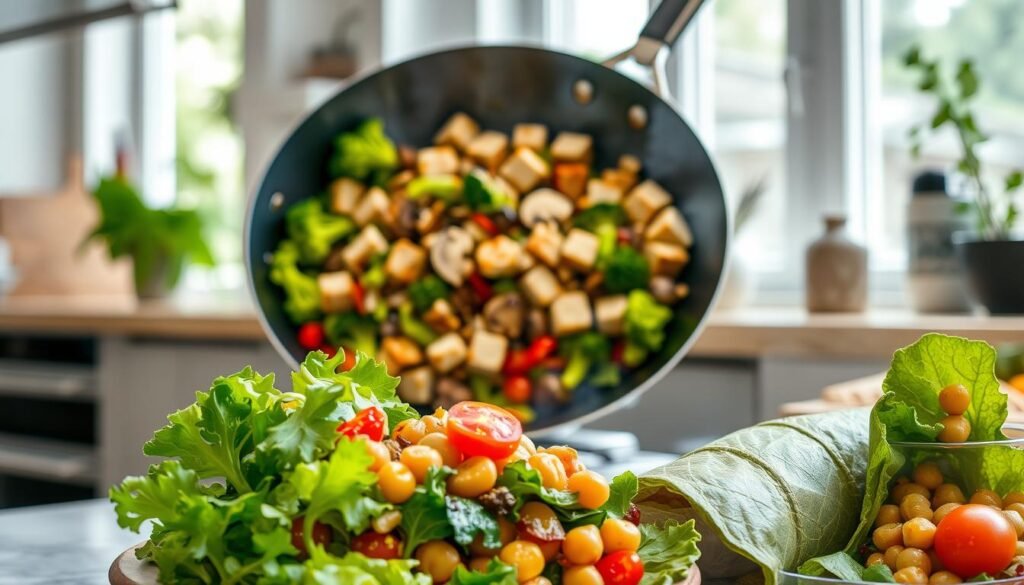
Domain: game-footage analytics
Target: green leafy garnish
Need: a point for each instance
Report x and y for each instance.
(497, 573)
(425, 515)
(668, 550)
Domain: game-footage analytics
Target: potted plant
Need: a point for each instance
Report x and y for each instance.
(159, 241)
(992, 256)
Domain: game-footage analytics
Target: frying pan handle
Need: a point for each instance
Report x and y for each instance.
(669, 20)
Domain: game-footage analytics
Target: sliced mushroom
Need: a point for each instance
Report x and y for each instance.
(544, 204)
(448, 255)
(505, 314)
(335, 262)
(663, 289)
(549, 390)
(450, 392)
(536, 323)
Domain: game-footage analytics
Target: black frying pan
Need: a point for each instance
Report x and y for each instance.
(499, 87)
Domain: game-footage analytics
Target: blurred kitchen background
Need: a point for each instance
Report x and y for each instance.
(806, 105)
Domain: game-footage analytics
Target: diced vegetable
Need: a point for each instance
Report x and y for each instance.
(645, 326)
(447, 188)
(351, 330)
(314, 231)
(311, 335)
(483, 194)
(365, 154)
(425, 291)
(412, 327)
(603, 220)
(626, 270)
(301, 292)
(583, 352)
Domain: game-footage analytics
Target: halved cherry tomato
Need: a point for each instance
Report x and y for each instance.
(485, 223)
(378, 546)
(359, 298)
(520, 361)
(475, 428)
(975, 539)
(321, 535)
(622, 567)
(517, 389)
(371, 422)
(311, 335)
(481, 287)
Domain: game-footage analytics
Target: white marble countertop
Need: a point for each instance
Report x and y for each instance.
(61, 544)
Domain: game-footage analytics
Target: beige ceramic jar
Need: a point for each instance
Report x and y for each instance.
(837, 271)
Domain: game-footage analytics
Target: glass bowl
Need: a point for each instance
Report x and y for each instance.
(788, 578)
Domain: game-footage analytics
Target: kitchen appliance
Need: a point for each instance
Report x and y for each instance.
(500, 86)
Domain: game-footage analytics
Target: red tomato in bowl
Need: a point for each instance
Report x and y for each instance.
(622, 567)
(378, 546)
(975, 539)
(371, 422)
(476, 428)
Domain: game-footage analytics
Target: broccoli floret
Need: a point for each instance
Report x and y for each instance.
(375, 276)
(606, 375)
(583, 351)
(482, 194)
(626, 270)
(447, 188)
(603, 220)
(646, 319)
(352, 331)
(301, 291)
(413, 328)
(426, 290)
(365, 153)
(314, 230)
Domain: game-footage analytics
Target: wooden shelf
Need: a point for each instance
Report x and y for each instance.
(48, 459)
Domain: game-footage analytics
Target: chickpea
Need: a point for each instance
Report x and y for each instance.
(379, 452)
(450, 456)
(942, 510)
(568, 456)
(891, 554)
(955, 429)
(918, 533)
(433, 424)
(386, 522)
(550, 550)
(396, 482)
(1020, 549)
(506, 534)
(987, 498)
(875, 558)
(910, 575)
(419, 459)
(525, 556)
(955, 399)
(585, 575)
(1013, 498)
(583, 545)
(888, 514)
(944, 578)
(552, 473)
(619, 535)
(948, 493)
(928, 475)
(539, 519)
(901, 491)
(473, 477)
(914, 557)
(438, 559)
(527, 444)
(409, 431)
(592, 489)
(915, 506)
(887, 535)
(538, 581)
(1016, 520)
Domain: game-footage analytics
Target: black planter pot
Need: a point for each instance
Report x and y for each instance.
(995, 273)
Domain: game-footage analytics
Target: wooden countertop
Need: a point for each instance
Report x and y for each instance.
(747, 333)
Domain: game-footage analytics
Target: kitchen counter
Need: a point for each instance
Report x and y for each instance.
(746, 333)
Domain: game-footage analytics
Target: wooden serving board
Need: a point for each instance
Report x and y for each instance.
(128, 570)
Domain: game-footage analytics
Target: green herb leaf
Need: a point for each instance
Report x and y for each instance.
(966, 79)
(468, 518)
(497, 573)
(523, 482)
(425, 515)
(623, 488)
(668, 551)
(878, 573)
(839, 565)
(1013, 181)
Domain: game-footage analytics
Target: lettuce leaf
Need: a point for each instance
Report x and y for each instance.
(498, 573)
(622, 490)
(524, 481)
(668, 550)
(425, 514)
(355, 569)
(468, 518)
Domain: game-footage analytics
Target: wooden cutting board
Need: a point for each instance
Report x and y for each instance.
(128, 570)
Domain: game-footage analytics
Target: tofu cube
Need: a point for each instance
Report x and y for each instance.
(524, 170)
(665, 259)
(580, 249)
(488, 148)
(630, 163)
(417, 385)
(441, 317)
(447, 352)
(532, 136)
(571, 178)
(570, 313)
(645, 200)
(405, 262)
(458, 131)
(486, 351)
(601, 191)
(374, 207)
(572, 147)
(437, 160)
(402, 351)
(545, 243)
(499, 257)
(368, 243)
(345, 194)
(623, 179)
(540, 286)
(610, 314)
(335, 291)
(670, 227)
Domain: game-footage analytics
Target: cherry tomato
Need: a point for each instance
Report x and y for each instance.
(517, 389)
(975, 539)
(485, 223)
(311, 335)
(321, 535)
(517, 363)
(475, 428)
(540, 348)
(359, 298)
(371, 422)
(521, 361)
(378, 546)
(481, 287)
(328, 349)
(621, 568)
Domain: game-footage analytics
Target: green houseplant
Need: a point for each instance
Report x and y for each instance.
(991, 255)
(159, 241)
